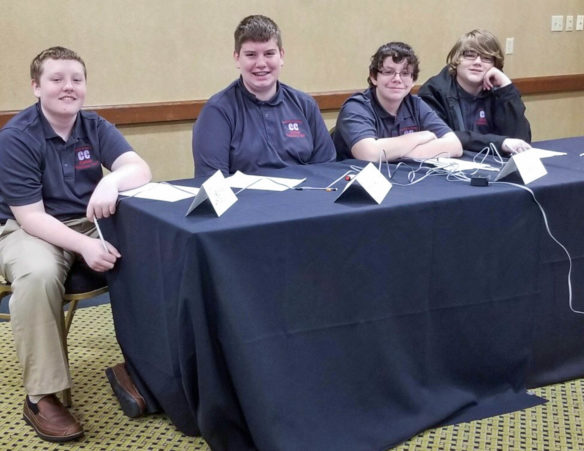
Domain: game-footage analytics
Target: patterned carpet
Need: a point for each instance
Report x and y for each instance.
(555, 425)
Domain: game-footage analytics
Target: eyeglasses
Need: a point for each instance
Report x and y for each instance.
(471, 55)
(404, 75)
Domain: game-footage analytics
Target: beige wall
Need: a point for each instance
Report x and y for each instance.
(141, 51)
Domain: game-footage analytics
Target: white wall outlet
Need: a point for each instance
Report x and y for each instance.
(557, 23)
(509, 44)
(569, 23)
(580, 22)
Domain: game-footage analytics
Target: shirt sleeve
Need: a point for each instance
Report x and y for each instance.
(434, 98)
(509, 114)
(355, 122)
(324, 149)
(112, 143)
(20, 170)
(211, 142)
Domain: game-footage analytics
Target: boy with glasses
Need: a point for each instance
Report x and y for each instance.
(386, 122)
(476, 99)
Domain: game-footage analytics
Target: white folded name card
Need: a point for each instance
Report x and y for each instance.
(527, 164)
(371, 181)
(217, 192)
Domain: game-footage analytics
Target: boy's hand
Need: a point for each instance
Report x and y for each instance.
(96, 257)
(514, 145)
(102, 203)
(494, 78)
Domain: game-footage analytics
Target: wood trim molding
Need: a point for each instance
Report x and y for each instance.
(189, 110)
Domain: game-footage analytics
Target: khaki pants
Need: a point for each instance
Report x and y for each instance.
(37, 271)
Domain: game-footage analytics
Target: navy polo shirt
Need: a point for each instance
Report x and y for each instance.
(36, 164)
(474, 110)
(236, 131)
(362, 116)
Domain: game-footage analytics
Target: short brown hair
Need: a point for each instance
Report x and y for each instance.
(398, 51)
(482, 41)
(55, 53)
(256, 28)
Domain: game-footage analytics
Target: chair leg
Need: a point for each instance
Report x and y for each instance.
(66, 397)
(70, 314)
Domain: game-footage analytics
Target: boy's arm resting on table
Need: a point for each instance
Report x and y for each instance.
(35, 221)
(128, 171)
(417, 145)
(389, 149)
(446, 146)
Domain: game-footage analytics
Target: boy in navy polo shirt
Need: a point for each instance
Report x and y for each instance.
(386, 122)
(474, 97)
(52, 188)
(258, 122)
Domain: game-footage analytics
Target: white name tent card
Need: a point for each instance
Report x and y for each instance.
(543, 153)
(456, 165)
(371, 181)
(241, 180)
(527, 164)
(161, 191)
(217, 192)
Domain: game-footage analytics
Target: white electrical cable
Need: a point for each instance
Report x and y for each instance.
(545, 220)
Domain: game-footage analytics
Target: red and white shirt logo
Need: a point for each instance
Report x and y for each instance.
(292, 128)
(482, 119)
(410, 129)
(84, 158)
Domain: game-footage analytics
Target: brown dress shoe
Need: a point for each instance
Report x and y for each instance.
(130, 399)
(51, 420)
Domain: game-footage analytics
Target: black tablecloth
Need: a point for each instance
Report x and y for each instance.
(294, 322)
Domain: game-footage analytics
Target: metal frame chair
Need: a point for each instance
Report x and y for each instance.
(82, 283)
(5, 290)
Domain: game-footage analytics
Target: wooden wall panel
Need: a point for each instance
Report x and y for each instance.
(188, 110)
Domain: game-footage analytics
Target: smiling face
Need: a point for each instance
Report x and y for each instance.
(393, 82)
(260, 64)
(470, 71)
(61, 88)
(472, 56)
